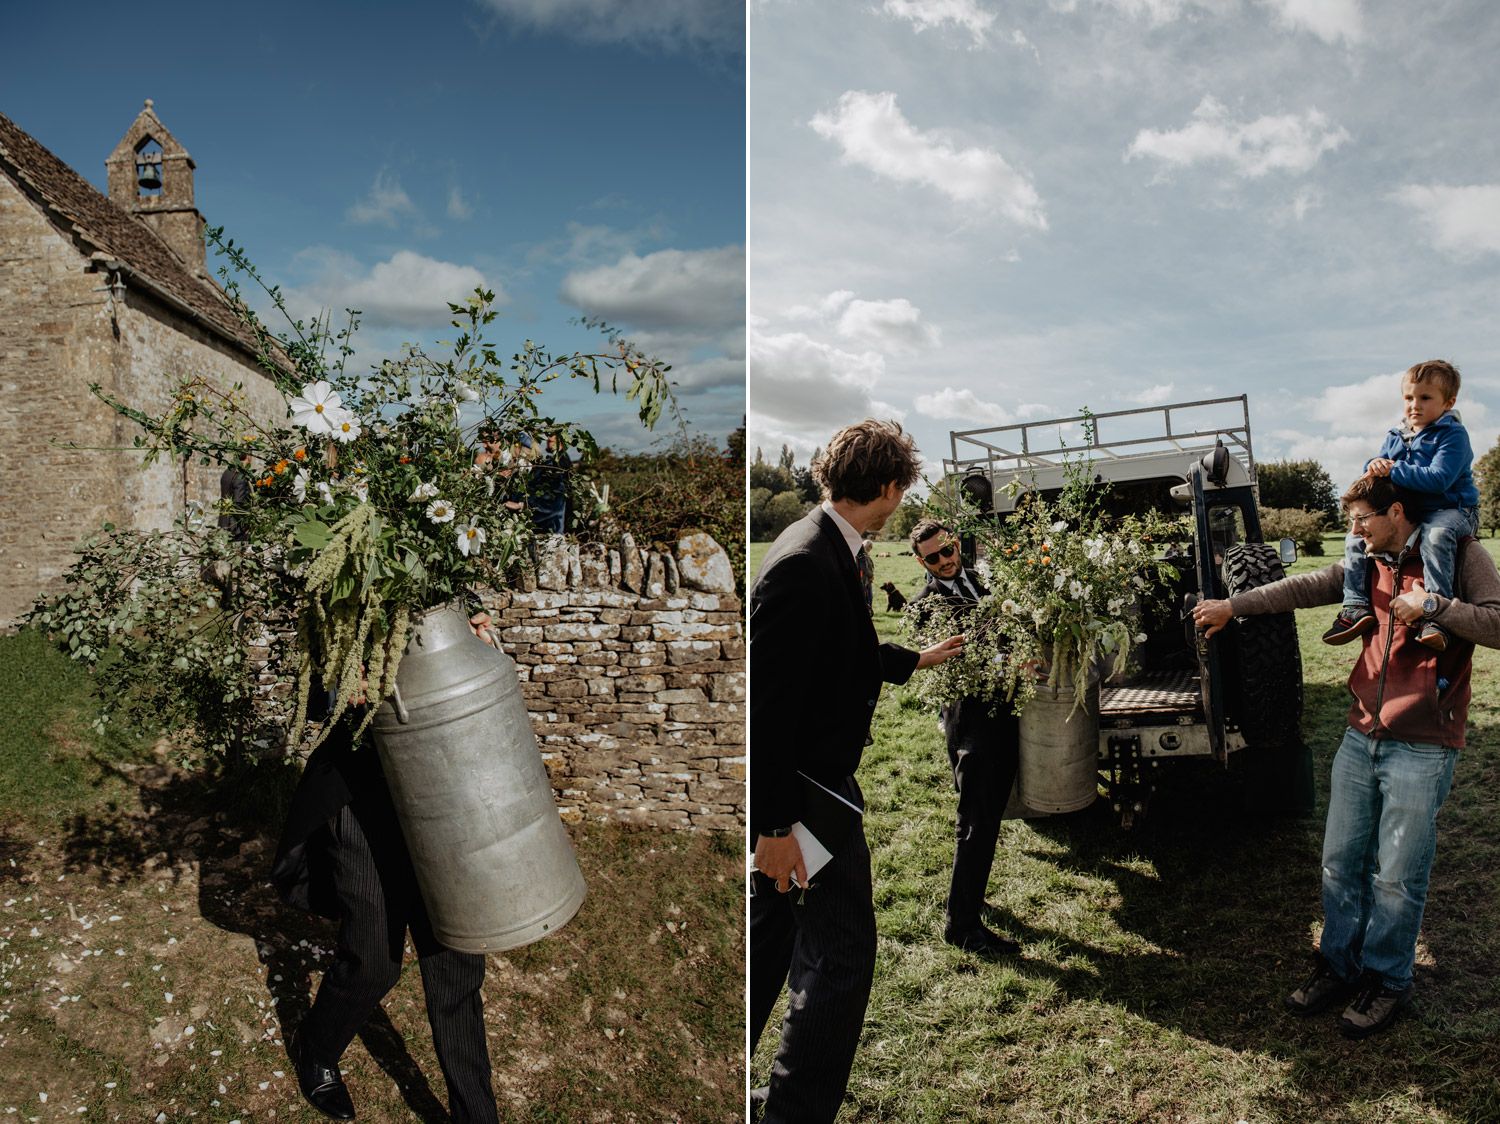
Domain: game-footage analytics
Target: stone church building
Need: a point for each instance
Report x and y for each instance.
(108, 289)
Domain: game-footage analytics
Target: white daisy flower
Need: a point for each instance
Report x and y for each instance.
(440, 511)
(470, 537)
(346, 427)
(316, 407)
(1075, 590)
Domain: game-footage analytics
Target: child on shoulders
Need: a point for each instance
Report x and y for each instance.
(1429, 454)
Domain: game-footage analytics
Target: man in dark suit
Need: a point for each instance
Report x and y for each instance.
(983, 749)
(817, 667)
(342, 856)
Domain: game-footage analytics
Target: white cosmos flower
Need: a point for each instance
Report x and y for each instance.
(1009, 606)
(1075, 590)
(440, 511)
(1061, 580)
(325, 491)
(423, 492)
(465, 393)
(1038, 616)
(1113, 608)
(299, 485)
(345, 426)
(362, 490)
(316, 407)
(1060, 525)
(489, 485)
(1140, 637)
(470, 537)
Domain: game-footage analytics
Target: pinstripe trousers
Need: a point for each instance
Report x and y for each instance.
(378, 901)
(823, 949)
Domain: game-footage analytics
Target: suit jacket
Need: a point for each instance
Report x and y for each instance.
(816, 665)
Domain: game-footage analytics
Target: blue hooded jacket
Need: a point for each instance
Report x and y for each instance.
(1437, 461)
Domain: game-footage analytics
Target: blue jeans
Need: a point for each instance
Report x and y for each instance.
(1441, 531)
(1377, 852)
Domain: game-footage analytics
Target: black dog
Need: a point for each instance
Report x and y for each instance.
(895, 601)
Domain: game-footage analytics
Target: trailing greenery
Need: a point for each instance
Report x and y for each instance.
(362, 505)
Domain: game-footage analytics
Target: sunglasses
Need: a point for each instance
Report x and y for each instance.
(942, 552)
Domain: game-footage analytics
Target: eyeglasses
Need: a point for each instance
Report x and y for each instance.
(943, 552)
(1361, 520)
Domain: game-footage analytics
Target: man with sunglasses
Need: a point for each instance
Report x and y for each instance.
(1394, 768)
(983, 750)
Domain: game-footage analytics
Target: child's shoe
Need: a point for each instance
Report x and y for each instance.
(1434, 635)
(1352, 622)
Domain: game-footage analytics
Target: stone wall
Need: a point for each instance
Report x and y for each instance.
(633, 668)
(61, 329)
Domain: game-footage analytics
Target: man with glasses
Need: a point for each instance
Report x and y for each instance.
(983, 750)
(1394, 768)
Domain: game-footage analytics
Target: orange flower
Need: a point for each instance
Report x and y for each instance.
(404, 460)
(280, 466)
(300, 454)
(1046, 561)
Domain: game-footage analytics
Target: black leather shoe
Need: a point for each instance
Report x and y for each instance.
(981, 940)
(322, 1086)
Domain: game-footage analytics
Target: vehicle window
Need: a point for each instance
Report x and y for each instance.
(1226, 526)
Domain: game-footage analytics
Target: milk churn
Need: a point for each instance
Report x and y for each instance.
(1060, 749)
(492, 857)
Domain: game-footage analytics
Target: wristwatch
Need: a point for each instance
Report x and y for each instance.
(775, 832)
(1429, 605)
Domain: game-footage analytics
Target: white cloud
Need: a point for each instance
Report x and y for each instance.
(925, 14)
(1464, 221)
(893, 325)
(813, 388)
(1329, 20)
(673, 25)
(458, 207)
(386, 203)
(951, 402)
(408, 291)
(1155, 12)
(1152, 395)
(874, 134)
(698, 289)
(1289, 142)
(890, 325)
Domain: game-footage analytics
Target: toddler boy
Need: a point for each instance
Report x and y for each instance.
(1429, 454)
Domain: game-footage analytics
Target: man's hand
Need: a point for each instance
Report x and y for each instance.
(1380, 466)
(1408, 606)
(779, 860)
(1211, 616)
(482, 628)
(943, 650)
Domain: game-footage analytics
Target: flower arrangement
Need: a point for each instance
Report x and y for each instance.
(1063, 580)
(364, 505)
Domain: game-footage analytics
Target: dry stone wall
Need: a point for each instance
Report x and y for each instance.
(632, 664)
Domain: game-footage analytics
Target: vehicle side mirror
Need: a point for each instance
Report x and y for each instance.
(1288, 551)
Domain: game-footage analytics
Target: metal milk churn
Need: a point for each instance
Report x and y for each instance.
(492, 857)
(1059, 769)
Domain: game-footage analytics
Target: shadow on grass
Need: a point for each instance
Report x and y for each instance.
(217, 820)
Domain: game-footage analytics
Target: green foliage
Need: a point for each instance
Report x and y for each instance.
(1303, 527)
(693, 486)
(772, 477)
(911, 512)
(367, 504)
(1487, 477)
(1302, 484)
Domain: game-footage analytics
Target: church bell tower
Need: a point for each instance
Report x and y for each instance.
(151, 175)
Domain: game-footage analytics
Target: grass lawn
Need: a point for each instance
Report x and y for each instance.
(1155, 961)
(148, 972)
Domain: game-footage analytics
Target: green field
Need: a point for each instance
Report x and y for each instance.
(1155, 960)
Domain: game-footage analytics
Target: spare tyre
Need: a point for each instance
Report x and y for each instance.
(1263, 664)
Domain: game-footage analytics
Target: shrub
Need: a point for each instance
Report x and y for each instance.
(1305, 528)
(1305, 484)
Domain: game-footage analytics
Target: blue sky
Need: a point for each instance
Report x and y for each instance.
(968, 212)
(578, 156)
